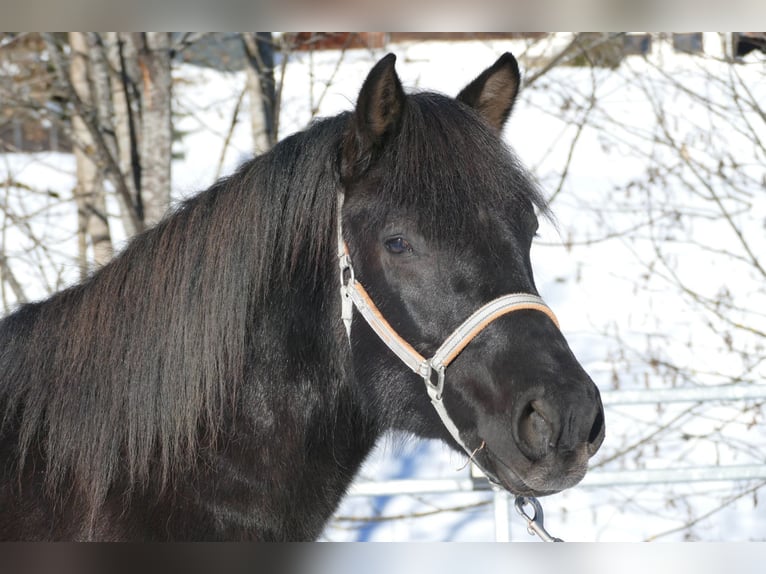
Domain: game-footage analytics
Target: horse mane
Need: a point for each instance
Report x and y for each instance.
(133, 371)
(130, 370)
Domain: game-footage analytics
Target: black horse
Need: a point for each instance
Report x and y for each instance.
(202, 384)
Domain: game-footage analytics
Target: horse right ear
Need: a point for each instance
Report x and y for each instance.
(377, 115)
(493, 93)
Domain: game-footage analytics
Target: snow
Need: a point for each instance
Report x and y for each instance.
(614, 310)
(52, 177)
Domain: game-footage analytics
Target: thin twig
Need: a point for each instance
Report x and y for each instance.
(230, 133)
(701, 517)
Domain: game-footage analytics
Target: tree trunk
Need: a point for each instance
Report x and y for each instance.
(156, 128)
(93, 223)
(98, 220)
(120, 53)
(260, 80)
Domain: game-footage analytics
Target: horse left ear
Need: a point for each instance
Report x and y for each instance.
(378, 111)
(493, 93)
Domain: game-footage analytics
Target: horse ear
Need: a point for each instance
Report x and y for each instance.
(378, 111)
(493, 93)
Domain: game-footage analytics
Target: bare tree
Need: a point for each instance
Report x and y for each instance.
(140, 97)
(93, 223)
(108, 97)
(153, 53)
(688, 133)
(123, 72)
(259, 52)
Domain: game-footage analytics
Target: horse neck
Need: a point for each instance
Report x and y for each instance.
(302, 428)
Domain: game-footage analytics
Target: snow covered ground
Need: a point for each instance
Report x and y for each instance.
(625, 195)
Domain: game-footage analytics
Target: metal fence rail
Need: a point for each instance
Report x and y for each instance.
(684, 395)
(591, 480)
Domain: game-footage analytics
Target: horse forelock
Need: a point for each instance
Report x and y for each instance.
(447, 165)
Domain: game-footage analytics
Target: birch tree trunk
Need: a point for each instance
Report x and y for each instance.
(93, 222)
(153, 51)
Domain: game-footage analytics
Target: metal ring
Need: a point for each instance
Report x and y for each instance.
(435, 391)
(345, 265)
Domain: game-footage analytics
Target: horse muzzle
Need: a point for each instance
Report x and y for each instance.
(541, 443)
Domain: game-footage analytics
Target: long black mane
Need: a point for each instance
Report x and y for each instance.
(130, 375)
(145, 354)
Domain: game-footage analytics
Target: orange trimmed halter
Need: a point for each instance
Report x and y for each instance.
(353, 294)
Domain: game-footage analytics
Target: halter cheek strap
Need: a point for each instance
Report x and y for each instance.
(353, 294)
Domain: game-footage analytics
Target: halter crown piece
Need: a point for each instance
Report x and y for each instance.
(353, 294)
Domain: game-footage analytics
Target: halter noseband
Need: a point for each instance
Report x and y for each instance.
(353, 294)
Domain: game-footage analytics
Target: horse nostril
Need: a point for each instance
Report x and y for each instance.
(596, 435)
(535, 432)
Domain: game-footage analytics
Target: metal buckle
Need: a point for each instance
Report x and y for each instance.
(435, 390)
(344, 262)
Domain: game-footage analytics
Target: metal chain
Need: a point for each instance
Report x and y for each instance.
(535, 524)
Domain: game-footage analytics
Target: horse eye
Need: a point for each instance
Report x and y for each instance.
(398, 245)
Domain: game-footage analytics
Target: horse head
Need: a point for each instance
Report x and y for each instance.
(436, 222)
